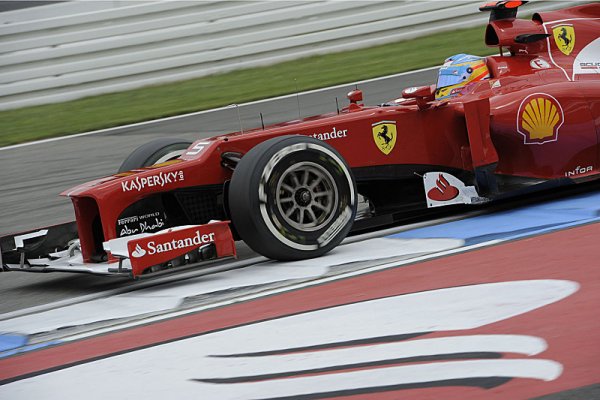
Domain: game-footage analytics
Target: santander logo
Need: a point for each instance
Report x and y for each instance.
(443, 191)
(175, 244)
(138, 252)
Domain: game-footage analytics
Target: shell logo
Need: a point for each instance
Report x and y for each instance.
(539, 118)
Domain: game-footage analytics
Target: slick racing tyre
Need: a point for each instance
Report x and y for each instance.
(154, 152)
(292, 197)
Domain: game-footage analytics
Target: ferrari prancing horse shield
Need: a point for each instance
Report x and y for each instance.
(384, 134)
(564, 36)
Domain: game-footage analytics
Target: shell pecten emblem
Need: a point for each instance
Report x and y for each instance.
(384, 135)
(539, 118)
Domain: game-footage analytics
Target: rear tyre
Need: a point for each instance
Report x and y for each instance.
(292, 198)
(154, 152)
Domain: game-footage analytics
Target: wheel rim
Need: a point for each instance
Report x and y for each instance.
(306, 196)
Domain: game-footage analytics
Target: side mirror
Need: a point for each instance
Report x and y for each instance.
(355, 96)
(423, 95)
(420, 91)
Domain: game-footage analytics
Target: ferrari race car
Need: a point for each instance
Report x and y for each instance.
(491, 127)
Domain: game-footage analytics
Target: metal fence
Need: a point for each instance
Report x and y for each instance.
(70, 50)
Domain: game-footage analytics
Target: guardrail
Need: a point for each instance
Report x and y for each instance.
(71, 50)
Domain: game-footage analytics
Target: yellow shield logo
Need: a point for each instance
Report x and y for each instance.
(564, 36)
(384, 134)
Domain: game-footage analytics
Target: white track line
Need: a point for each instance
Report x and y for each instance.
(271, 292)
(201, 271)
(375, 267)
(175, 117)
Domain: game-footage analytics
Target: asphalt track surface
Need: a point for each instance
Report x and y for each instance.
(33, 175)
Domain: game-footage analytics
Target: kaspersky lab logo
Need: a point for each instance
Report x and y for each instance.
(161, 180)
(175, 244)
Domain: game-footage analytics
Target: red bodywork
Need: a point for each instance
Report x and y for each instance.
(536, 119)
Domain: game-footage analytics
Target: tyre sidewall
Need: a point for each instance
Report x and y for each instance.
(152, 151)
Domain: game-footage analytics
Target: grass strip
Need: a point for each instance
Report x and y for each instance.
(104, 111)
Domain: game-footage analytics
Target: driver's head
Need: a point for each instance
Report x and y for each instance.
(457, 72)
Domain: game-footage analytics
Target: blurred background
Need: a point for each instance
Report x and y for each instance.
(171, 57)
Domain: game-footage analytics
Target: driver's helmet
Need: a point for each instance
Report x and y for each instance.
(457, 72)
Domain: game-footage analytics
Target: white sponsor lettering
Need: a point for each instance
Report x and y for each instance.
(127, 231)
(334, 134)
(144, 226)
(158, 248)
(160, 180)
(136, 218)
(579, 171)
(589, 65)
(128, 220)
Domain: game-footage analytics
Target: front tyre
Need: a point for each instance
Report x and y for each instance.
(292, 198)
(155, 152)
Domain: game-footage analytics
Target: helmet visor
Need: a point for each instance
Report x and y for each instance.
(449, 76)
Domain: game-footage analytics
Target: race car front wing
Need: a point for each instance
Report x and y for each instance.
(57, 248)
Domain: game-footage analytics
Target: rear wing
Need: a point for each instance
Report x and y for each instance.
(502, 9)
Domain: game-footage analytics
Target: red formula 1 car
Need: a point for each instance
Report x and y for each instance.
(492, 127)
